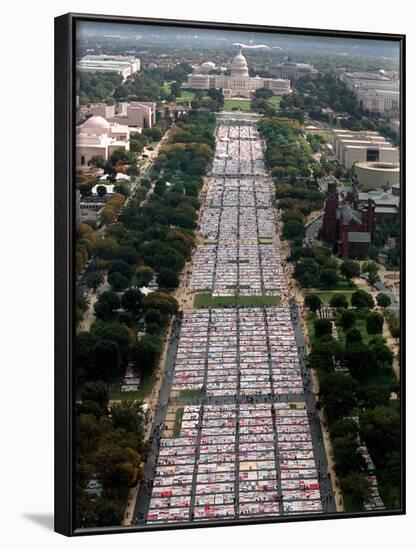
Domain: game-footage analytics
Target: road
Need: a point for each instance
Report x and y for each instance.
(311, 230)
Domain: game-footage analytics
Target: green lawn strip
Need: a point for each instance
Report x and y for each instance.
(190, 393)
(242, 104)
(207, 300)
(176, 432)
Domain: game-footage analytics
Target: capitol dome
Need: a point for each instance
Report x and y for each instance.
(239, 66)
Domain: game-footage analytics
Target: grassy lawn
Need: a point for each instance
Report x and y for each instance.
(185, 97)
(362, 327)
(207, 300)
(145, 389)
(178, 423)
(190, 393)
(242, 104)
(275, 101)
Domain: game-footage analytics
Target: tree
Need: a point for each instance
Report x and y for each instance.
(313, 302)
(108, 302)
(350, 269)
(148, 351)
(357, 486)
(143, 275)
(106, 359)
(372, 396)
(344, 427)
(123, 156)
(347, 458)
(383, 353)
(380, 429)
(293, 229)
(371, 268)
(383, 300)
(307, 272)
(167, 278)
(84, 345)
(163, 302)
(97, 161)
(155, 133)
(153, 316)
(98, 393)
(118, 281)
(84, 189)
(325, 352)
(374, 323)
(337, 394)
(108, 512)
(362, 299)
(329, 278)
(120, 266)
(131, 301)
(323, 327)
(352, 336)
(360, 360)
(94, 279)
(128, 415)
(348, 319)
(338, 300)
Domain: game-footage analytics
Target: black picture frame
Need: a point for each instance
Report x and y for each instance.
(65, 93)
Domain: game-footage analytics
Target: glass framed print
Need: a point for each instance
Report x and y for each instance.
(229, 274)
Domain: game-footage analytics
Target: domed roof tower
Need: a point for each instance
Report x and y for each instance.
(96, 124)
(239, 68)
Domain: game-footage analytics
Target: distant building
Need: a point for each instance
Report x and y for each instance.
(348, 226)
(98, 137)
(206, 67)
(293, 71)
(386, 203)
(350, 147)
(374, 92)
(125, 66)
(239, 84)
(135, 114)
(373, 175)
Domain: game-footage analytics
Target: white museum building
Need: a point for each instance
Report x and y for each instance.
(98, 136)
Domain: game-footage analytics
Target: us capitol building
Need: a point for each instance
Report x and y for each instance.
(239, 83)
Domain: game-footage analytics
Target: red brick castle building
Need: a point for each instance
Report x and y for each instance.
(347, 225)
